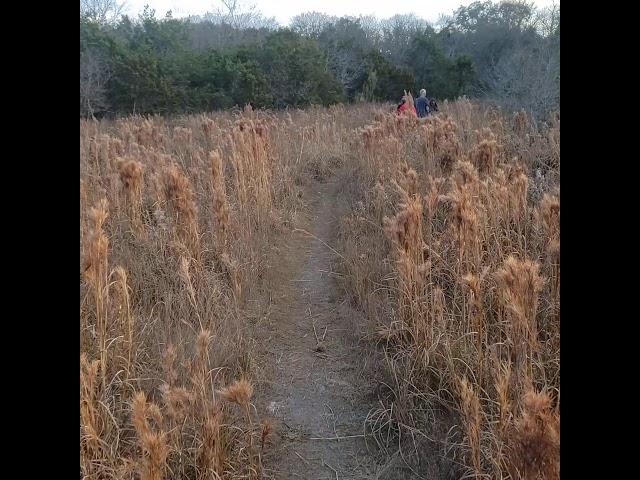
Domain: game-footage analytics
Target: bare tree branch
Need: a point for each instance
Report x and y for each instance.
(103, 12)
(94, 74)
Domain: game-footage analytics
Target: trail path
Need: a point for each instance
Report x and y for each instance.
(316, 390)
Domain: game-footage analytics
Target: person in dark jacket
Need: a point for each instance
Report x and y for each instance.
(422, 104)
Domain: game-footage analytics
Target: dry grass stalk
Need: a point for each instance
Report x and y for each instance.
(178, 193)
(520, 283)
(131, 176)
(519, 183)
(185, 276)
(405, 232)
(233, 273)
(124, 316)
(240, 392)
(503, 378)
(211, 453)
(153, 443)
(91, 423)
(265, 432)
(476, 311)
(472, 418)
(179, 402)
(485, 155)
(95, 273)
(549, 215)
(252, 168)
(465, 213)
(220, 205)
(200, 372)
(442, 145)
(520, 122)
(169, 356)
(183, 136)
(536, 439)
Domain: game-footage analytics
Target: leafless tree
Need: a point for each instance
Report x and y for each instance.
(311, 24)
(346, 45)
(372, 28)
(94, 74)
(103, 12)
(527, 77)
(240, 15)
(397, 33)
(548, 20)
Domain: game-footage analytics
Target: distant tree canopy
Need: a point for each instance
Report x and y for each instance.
(507, 52)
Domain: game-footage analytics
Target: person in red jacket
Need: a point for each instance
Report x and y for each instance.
(406, 105)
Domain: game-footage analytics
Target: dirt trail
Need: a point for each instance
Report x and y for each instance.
(314, 392)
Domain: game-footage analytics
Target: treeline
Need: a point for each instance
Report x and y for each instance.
(507, 52)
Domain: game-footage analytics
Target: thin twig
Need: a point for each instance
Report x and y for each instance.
(342, 437)
(321, 241)
(301, 457)
(334, 470)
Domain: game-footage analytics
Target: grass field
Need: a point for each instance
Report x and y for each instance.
(446, 245)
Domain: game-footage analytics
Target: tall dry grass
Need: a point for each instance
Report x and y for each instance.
(452, 248)
(179, 221)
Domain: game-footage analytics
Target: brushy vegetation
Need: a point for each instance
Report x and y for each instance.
(176, 220)
(506, 52)
(451, 248)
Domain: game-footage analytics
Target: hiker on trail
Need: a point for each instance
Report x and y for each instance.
(422, 104)
(425, 106)
(406, 105)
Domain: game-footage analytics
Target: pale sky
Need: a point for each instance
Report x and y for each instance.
(283, 10)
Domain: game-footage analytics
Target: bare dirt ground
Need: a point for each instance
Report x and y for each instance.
(316, 391)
